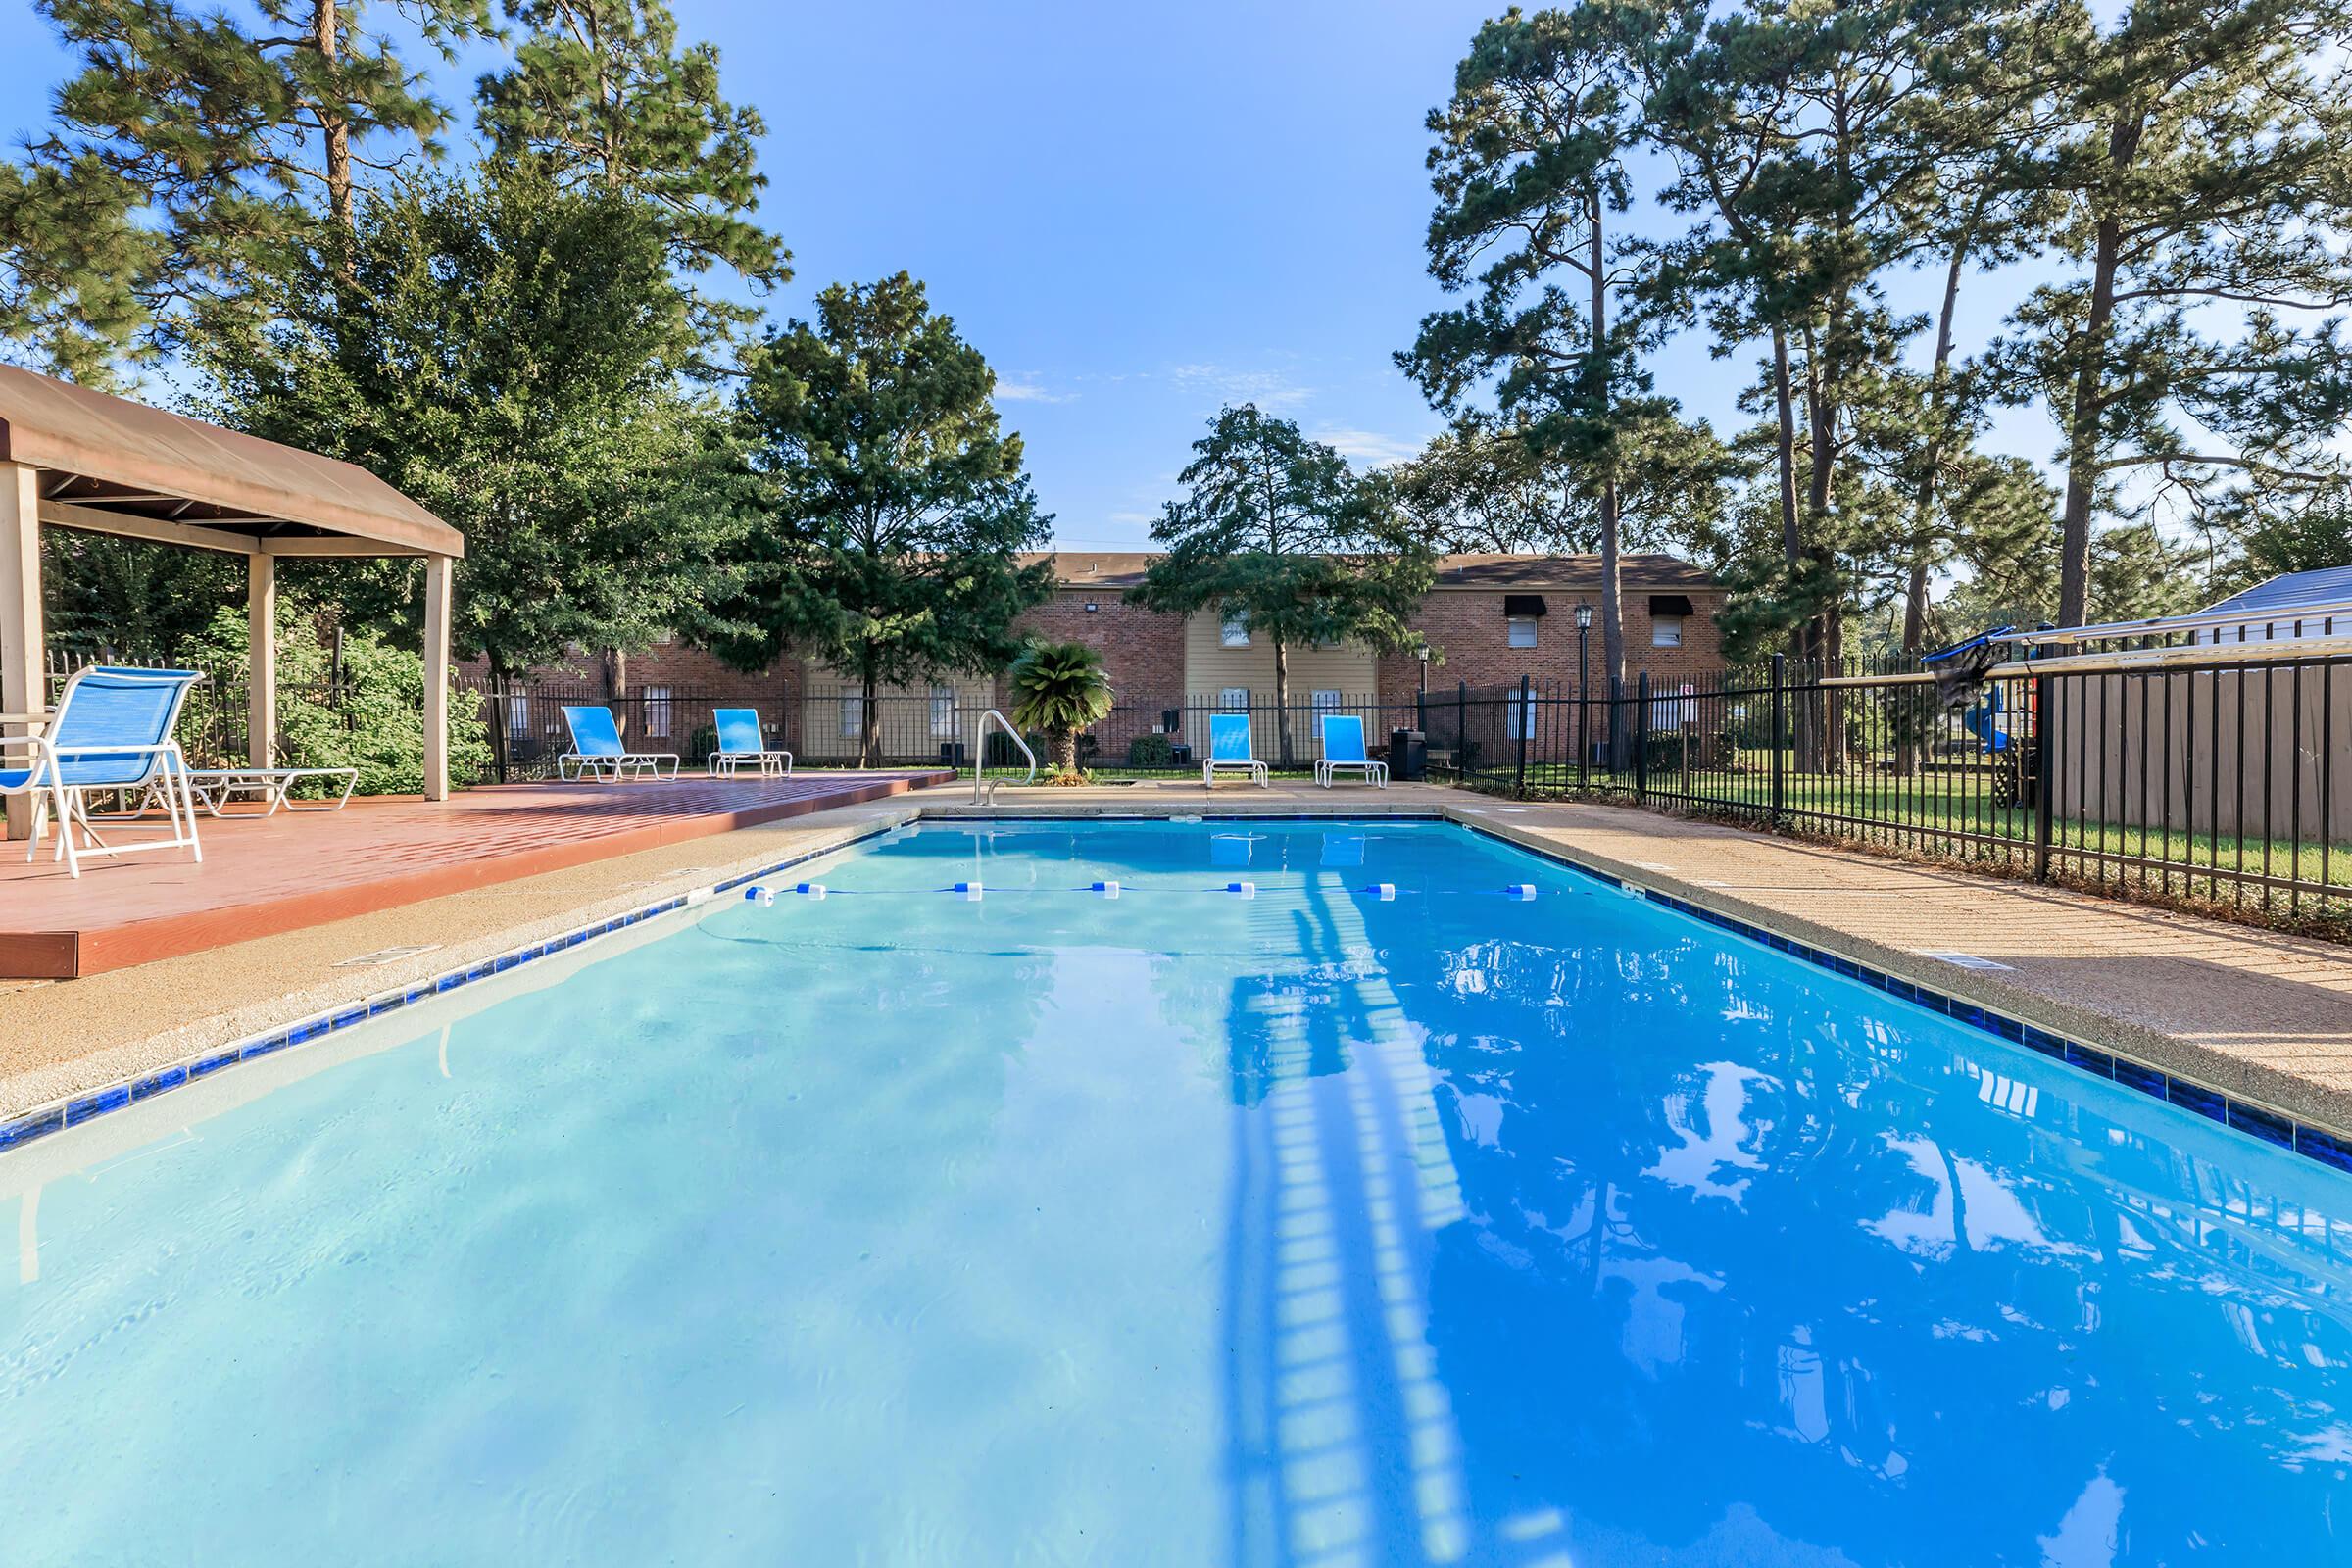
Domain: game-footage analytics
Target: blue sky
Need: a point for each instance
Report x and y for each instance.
(1137, 212)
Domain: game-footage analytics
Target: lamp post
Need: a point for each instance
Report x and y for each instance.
(1584, 709)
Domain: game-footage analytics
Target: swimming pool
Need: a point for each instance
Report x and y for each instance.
(1308, 1223)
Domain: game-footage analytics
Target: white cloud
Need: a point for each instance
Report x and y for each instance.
(1268, 389)
(1135, 516)
(1369, 446)
(1027, 390)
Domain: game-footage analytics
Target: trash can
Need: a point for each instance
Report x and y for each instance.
(1409, 755)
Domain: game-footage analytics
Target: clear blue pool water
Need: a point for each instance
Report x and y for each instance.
(1180, 1228)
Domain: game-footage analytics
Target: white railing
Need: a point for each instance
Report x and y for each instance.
(984, 790)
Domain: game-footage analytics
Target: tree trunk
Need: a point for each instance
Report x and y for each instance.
(1923, 500)
(333, 124)
(869, 722)
(1612, 591)
(2083, 420)
(1792, 544)
(1282, 700)
(1066, 749)
(1824, 628)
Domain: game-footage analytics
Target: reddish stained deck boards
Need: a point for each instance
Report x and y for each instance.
(259, 878)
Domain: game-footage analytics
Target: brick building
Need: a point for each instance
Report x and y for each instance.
(1491, 619)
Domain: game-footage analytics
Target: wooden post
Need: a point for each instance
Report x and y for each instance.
(261, 647)
(437, 677)
(23, 673)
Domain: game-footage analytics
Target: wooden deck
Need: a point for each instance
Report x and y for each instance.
(262, 877)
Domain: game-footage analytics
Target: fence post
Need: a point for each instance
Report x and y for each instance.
(2045, 776)
(1526, 719)
(1642, 737)
(1461, 729)
(498, 728)
(1780, 739)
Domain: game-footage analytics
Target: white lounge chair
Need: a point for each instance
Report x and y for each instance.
(1229, 750)
(596, 750)
(272, 787)
(113, 731)
(743, 744)
(1343, 752)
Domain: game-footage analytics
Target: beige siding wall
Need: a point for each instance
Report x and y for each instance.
(1211, 668)
(907, 726)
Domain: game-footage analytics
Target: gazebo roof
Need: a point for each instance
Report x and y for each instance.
(111, 465)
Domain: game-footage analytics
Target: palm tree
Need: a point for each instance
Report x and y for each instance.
(1059, 687)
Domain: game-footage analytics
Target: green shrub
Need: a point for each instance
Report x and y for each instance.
(1150, 751)
(374, 723)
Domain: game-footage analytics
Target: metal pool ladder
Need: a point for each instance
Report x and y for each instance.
(984, 791)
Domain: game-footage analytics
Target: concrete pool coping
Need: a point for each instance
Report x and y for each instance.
(2259, 1016)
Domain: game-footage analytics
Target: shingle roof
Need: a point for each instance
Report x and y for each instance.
(1124, 568)
(117, 456)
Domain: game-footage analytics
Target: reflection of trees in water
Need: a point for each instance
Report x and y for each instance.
(1676, 1235)
(1855, 1330)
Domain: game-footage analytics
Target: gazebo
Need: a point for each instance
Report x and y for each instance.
(70, 457)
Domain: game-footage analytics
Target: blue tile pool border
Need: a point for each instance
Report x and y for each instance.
(2262, 1122)
(86, 1106)
(2271, 1126)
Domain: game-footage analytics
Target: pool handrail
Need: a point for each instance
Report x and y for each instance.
(984, 790)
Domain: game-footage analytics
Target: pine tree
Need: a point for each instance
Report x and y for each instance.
(601, 93)
(1278, 534)
(193, 158)
(896, 508)
(508, 355)
(1530, 174)
(2201, 171)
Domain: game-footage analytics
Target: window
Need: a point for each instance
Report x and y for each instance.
(1666, 631)
(1234, 700)
(657, 713)
(853, 717)
(662, 639)
(1519, 717)
(1236, 632)
(1522, 631)
(1325, 701)
(942, 713)
(518, 714)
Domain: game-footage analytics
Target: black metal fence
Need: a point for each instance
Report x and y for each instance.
(212, 729)
(2210, 778)
(2212, 773)
(1139, 737)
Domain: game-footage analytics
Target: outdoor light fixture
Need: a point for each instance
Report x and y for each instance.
(1584, 618)
(1090, 606)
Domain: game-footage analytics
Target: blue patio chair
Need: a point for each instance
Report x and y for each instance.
(1229, 750)
(1343, 752)
(112, 731)
(743, 744)
(597, 751)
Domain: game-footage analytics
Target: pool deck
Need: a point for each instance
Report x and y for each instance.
(2257, 1014)
(268, 875)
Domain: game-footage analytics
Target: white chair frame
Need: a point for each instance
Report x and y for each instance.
(628, 765)
(68, 804)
